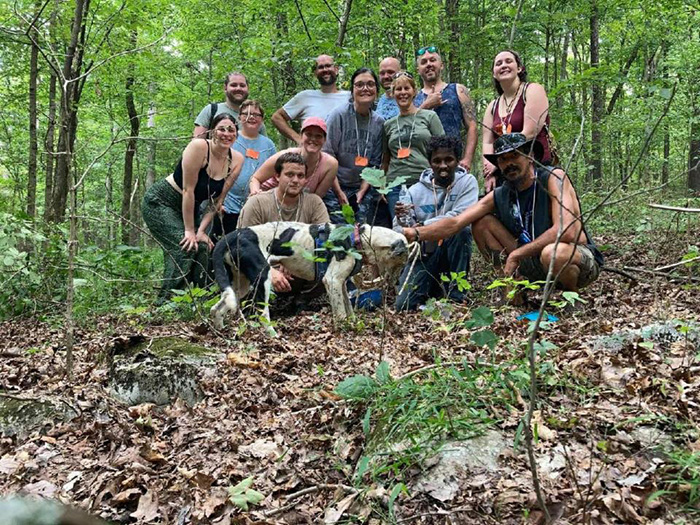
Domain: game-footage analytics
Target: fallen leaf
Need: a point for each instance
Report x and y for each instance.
(148, 507)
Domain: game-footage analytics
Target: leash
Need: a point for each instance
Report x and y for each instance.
(414, 248)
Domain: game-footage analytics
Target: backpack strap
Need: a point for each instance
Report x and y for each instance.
(213, 108)
(495, 105)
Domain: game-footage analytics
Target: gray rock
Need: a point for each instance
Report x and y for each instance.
(19, 417)
(662, 334)
(160, 371)
(455, 463)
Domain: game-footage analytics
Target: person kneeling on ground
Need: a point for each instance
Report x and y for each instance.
(520, 220)
(444, 190)
(286, 202)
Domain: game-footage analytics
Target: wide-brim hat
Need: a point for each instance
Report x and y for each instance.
(514, 141)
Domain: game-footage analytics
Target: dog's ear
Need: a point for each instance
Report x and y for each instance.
(399, 248)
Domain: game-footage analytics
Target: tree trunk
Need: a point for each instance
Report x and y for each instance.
(694, 152)
(128, 186)
(563, 74)
(109, 192)
(343, 24)
(452, 15)
(68, 122)
(33, 144)
(597, 102)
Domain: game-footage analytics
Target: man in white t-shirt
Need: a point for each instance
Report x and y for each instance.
(312, 102)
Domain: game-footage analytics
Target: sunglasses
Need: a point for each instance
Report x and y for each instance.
(401, 74)
(228, 129)
(428, 49)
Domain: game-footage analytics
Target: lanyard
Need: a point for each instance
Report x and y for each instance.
(410, 135)
(532, 214)
(357, 134)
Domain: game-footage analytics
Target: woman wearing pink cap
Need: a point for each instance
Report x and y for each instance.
(321, 168)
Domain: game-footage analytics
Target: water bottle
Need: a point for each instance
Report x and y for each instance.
(407, 218)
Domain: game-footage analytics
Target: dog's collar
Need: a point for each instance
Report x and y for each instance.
(357, 237)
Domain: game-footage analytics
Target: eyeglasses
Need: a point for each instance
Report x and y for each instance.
(402, 74)
(252, 115)
(228, 129)
(363, 85)
(428, 49)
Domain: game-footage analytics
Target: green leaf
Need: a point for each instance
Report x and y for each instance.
(239, 501)
(649, 345)
(382, 373)
(357, 387)
(348, 214)
(79, 282)
(366, 421)
(398, 489)
(482, 316)
(341, 233)
(375, 177)
(362, 467)
(241, 487)
(485, 337)
(253, 496)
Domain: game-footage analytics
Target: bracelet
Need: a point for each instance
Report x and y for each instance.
(415, 230)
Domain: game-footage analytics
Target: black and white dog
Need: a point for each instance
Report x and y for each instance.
(242, 261)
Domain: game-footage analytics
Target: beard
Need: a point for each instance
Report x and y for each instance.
(327, 79)
(236, 98)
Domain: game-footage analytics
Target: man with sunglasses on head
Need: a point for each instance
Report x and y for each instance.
(312, 102)
(451, 102)
(236, 91)
(520, 220)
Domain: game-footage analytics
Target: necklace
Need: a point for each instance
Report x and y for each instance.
(318, 162)
(505, 121)
(410, 134)
(295, 211)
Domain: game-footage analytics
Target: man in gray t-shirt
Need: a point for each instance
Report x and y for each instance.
(312, 102)
(236, 91)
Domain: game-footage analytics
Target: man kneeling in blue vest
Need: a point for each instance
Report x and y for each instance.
(520, 220)
(444, 190)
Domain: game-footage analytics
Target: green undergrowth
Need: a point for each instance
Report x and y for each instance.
(681, 481)
(407, 419)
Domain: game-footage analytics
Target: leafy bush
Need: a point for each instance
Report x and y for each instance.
(30, 263)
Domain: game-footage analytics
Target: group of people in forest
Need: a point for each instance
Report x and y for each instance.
(232, 176)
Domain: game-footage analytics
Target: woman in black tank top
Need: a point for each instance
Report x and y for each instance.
(207, 170)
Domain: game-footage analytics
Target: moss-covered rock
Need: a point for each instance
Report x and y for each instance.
(161, 370)
(19, 417)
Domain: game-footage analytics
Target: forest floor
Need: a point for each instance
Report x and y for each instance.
(608, 422)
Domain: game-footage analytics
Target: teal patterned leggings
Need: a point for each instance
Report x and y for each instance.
(162, 212)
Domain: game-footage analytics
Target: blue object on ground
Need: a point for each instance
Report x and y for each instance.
(532, 316)
(369, 300)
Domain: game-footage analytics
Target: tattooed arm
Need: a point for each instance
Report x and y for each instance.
(469, 117)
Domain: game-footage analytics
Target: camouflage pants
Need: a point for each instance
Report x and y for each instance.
(162, 212)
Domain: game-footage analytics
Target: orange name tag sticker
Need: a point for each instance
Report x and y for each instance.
(403, 153)
(253, 154)
(361, 161)
(509, 128)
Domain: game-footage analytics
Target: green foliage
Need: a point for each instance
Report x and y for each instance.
(377, 179)
(681, 479)
(241, 495)
(31, 267)
(407, 419)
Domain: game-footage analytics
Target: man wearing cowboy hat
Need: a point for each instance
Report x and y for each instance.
(520, 220)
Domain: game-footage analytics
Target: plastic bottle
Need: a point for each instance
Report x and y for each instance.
(407, 219)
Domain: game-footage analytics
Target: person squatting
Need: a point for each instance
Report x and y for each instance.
(422, 132)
